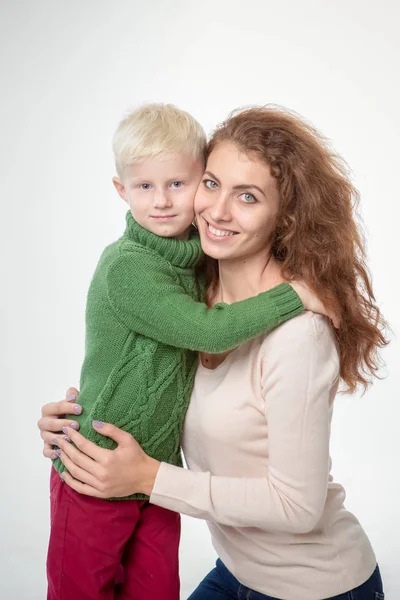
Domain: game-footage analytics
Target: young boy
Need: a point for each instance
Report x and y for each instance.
(144, 327)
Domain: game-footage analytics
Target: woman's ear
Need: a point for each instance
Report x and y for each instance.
(120, 188)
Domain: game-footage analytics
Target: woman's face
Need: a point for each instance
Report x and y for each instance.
(236, 204)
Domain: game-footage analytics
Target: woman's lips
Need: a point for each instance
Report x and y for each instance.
(216, 234)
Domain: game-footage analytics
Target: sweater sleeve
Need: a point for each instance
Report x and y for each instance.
(299, 377)
(147, 297)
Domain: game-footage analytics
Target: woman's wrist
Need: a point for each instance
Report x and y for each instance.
(151, 469)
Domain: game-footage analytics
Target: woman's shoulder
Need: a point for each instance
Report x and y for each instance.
(307, 328)
(295, 346)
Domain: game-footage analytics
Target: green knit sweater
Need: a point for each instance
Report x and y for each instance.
(144, 328)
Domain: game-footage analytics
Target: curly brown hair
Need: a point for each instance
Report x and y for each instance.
(317, 237)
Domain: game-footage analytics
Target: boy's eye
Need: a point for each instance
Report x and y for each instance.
(176, 184)
(248, 198)
(210, 184)
(145, 186)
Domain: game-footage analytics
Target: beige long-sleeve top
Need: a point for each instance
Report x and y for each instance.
(256, 441)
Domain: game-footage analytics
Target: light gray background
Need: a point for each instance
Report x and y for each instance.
(69, 70)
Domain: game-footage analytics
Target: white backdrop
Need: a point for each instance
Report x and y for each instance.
(69, 70)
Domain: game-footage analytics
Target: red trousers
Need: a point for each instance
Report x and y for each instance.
(101, 550)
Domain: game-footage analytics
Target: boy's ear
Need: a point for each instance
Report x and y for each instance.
(120, 188)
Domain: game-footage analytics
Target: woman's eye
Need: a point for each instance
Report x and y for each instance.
(145, 186)
(210, 184)
(248, 198)
(176, 184)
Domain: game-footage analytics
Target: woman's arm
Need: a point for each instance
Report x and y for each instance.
(299, 374)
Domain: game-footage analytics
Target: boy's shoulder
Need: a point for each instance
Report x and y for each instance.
(126, 255)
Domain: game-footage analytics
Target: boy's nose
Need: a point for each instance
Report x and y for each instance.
(161, 200)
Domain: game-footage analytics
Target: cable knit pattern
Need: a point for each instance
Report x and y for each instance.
(144, 327)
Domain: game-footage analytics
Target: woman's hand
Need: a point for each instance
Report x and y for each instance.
(54, 418)
(105, 473)
(312, 302)
(95, 471)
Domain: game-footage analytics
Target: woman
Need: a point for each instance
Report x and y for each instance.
(256, 435)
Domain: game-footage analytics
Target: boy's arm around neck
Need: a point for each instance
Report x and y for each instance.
(147, 297)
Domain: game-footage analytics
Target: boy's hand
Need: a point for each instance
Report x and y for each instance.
(313, 303)
(54, 418)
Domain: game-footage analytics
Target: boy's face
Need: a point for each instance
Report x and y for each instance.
(160, 193)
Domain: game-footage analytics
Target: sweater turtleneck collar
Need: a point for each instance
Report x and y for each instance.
(178, 253)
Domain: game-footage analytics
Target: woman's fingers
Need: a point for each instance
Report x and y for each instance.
(50, 438)
(78, 472)
(100, 455)
(71, 394)
(54, 419)
(78, 459)
(81, 488)
(49, 424)
(54, 408)
(49, 452)
(52, 442)
(62, 407)
(121, 437)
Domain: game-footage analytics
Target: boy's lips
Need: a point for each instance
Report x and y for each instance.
(162, 217)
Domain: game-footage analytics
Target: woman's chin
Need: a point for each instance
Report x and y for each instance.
(216, 251)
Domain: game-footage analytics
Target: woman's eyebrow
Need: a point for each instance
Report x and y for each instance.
(212, 176)
(249, 186)
(242, 186)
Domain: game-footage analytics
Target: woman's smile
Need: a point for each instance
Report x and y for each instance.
(218, 234)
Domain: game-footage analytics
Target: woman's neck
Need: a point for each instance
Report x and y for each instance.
(242, 278)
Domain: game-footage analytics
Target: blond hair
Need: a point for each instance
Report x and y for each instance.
(153, 129)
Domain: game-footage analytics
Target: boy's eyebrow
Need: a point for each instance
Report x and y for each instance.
(176, 177)
(242, 186)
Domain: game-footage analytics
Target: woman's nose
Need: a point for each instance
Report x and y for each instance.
(220, 210)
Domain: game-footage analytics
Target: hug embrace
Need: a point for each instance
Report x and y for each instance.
(223, 322)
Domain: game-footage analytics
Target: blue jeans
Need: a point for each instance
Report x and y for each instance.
(220, 584)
